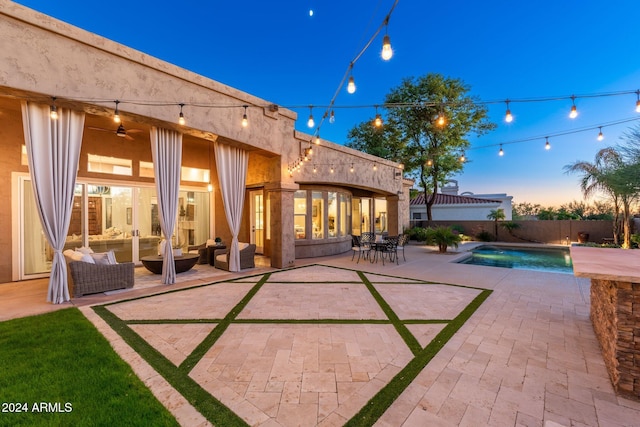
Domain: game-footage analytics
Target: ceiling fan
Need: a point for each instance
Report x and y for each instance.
(121, 131)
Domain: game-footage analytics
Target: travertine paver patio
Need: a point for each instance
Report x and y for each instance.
(292, 373)
(527, 357)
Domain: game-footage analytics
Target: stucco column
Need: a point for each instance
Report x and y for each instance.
(394, 226)
(283, 249)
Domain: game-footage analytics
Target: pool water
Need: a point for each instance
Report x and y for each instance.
(556, 260)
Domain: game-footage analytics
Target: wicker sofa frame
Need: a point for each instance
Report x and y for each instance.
(86, 278)
(246, 258)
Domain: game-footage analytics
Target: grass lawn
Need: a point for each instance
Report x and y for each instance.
(57, 369)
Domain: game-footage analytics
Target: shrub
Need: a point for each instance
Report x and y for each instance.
(484, 236)
(418, 233)
(443, 237)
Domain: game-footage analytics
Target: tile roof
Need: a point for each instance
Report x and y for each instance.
(451, 199)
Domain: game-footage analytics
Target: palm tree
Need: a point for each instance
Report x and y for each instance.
(496, 215)
(443, 237)
(609, 174)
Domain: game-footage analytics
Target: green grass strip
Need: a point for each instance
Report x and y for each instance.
(317, 321)
(210, 407)
(197, 354)
(406, 335)
(378, 404)
(60, 359)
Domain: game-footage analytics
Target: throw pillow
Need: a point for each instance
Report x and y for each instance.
(112, 257)
(100, 258)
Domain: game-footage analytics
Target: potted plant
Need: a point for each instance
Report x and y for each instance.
(218, 241)
(443, 237)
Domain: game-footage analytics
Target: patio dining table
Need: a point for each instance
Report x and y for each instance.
(381, 247)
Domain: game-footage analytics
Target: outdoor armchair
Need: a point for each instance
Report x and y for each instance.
(247, 252)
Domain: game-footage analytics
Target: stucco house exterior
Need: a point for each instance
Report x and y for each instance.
(289, 214)
(449, 205)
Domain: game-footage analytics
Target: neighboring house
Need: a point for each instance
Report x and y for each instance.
(464, 207)
(288, 214)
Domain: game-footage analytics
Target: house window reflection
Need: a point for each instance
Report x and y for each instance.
(300, 213)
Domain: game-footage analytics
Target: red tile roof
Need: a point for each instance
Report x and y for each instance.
(450, 199)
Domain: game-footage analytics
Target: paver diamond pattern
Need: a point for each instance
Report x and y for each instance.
(297, 364)
(213, 302)
(174, 341)
(309, 301)
(306, 346)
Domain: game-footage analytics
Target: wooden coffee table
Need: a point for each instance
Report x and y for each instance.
(183, 263)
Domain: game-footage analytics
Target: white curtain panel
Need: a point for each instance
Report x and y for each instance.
(53, 150)
(166, 149)
(232, 173)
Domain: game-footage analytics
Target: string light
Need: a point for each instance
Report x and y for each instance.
(245, 120)
(351, 86)
(332, 117)
(508, 117)
(181, 120)
(547, 146)
(501, 152)
(318, 139)
(53, 109)
(375, 166)
(378, 120)
(387, 52)
(311, 123)
(600, 135)
(351, 169)
(574, 111)
(331, 170)
(429, 162)
(315, 169)
(441, 119)
(462, 158)
(638, 102)
(116, 114)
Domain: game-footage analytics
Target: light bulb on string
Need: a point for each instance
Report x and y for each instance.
(53, 110)
(429, 162)
(332, 117)
(574, 111)
(315, 169)
(547, 146)
(331, 170)
(441, 121)
(351, 168)
(318, 139)
(387, 52)
(638, 102)
(116, 113)
(181, 120)
(600, 135)
(501, 152)
(462, 158)
(377, 122)
(508, 117)
(375, 166)
(245, 120)
(351, 86)
(311, 123)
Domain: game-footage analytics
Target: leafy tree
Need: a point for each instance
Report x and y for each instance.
(524, 210)
(413, 136)
(496, 215)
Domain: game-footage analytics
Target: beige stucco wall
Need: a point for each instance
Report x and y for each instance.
(43, 57)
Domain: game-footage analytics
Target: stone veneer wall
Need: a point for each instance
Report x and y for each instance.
(615, 314)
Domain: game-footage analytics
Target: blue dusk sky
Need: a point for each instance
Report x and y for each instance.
(502, 49)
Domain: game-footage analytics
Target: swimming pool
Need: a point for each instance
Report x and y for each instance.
(556, 260)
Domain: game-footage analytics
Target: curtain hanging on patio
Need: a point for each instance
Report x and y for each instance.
(166, 151)
(53, 151)
(231, 163)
